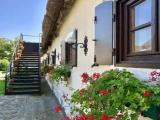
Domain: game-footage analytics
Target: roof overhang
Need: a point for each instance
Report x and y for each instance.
(56, 11)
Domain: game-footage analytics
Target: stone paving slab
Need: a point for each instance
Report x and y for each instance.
(28, 108)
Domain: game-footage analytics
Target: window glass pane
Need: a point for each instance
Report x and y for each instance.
(143, 12)
(141, 40)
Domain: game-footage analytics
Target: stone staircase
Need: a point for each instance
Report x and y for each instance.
(27, 79)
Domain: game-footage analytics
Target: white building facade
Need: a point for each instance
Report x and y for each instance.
(120, 34)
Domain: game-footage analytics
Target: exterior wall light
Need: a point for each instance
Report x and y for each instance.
(82, 45)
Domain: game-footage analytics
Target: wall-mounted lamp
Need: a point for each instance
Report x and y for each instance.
(82, 45)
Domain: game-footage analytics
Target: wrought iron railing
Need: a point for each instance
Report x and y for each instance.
(10, 70)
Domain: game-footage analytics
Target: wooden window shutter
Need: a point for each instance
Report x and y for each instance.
(48, 58)
(54, 57)
(104, 33)
(70, 55)
(67, 53)
(73, 56)
(46, 62)
(74, 51)
(63, 52)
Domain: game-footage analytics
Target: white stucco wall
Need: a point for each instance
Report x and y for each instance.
(81, 17)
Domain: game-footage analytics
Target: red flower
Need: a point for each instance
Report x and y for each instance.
(96, 76)
(85, 77)
(103, 92)
(81, 117)
(105, 117)
(158, 73)
(153, 73)
(66, 118)
(153, 78)
(81, 92)
(147, 93)
(84, 117)
(58, 108)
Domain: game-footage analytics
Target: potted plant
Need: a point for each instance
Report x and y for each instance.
(46, 69)
(61, 72)
(116, 94)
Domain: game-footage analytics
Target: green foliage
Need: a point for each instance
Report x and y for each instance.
(6, 48)
(46, 69)
(124, 93)
(2, 86)
(61, 71)
(4, 64)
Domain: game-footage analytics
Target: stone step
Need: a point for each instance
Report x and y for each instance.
(28, 91)
(25, 73)
(27, 65)
(28, 62)
(29, 57)
(25, 83)
(15, 87)
(27, 70)
(26, 80)
(30, 54)
(27, 76)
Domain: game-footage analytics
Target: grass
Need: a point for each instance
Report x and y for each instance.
(2, 85)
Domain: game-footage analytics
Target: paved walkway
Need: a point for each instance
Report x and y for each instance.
(29, 107)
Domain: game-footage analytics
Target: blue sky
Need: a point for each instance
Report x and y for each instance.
(21, 16)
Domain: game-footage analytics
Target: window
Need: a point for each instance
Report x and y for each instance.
(137, 33)
(54, 57)
(69, 50)
(48, 59)
(140, 27)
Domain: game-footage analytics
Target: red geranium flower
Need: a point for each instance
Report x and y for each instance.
(96, 76)
(58, 108)
(103, 92)
(85, 77)
(153, 73)
(147, 93)
(66, 118)
(81, 117)
(81, 92)
(158, 73)
(105, 117)
(84, 117)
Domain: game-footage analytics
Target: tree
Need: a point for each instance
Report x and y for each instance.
(6, 48)
(4, 64)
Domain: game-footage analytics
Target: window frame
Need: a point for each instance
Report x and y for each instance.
(54, 55)
(145, 59)
(69, 49)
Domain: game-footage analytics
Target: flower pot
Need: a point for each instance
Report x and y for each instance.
(153, 113)
(69, 74)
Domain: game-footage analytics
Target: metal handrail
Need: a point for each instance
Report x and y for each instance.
(9, 70)
(40, 60)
